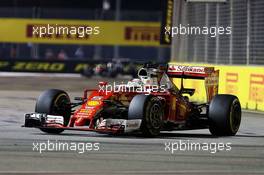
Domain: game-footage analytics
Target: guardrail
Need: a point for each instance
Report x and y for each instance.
(56, 66)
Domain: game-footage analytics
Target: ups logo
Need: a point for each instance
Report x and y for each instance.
(142, 33)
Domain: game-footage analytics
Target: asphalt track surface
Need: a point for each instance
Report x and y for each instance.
(123, 154)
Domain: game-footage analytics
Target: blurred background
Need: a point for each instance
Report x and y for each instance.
(72, 10)
(244, 46)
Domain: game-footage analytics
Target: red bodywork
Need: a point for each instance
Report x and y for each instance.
(85, 114)
(177, 108)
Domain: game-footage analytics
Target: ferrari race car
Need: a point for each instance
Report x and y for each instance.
(149, 104)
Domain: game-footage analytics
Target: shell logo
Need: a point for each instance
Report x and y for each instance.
(93, 103)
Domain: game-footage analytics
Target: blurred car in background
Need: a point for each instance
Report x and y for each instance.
(120, 66)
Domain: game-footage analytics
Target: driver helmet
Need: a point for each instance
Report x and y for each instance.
(148, 76)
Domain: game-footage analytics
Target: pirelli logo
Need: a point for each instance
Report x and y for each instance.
(142, 33)
(232, 83)
(256, 87)
(232, 77)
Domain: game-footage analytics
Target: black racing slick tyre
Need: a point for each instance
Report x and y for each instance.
(224, 115)
(54, 102)
(150, 109)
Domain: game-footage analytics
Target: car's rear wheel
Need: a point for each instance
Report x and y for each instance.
(224, 115)
(150, 110)
(54, 102)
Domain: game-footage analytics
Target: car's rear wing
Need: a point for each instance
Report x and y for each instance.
(191, 72)
(209, 74)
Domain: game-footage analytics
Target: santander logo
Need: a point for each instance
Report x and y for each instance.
(190, 69)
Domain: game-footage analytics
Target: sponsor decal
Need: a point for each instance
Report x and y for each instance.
(211, 85)
(93, 103)
(142, 33)
(256, 87)
(131, 125)
(90, 32)
(97, 97)
(38, 66)
(231, 83)
(189, 69)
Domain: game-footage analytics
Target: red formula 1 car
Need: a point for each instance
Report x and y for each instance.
(149, 104)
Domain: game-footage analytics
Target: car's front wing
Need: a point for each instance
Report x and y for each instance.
(38, 120)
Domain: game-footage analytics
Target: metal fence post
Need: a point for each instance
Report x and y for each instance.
(117, 18)
(248, 30)
(231, 36)
(217, 36)
(206, 36)
(176, 39)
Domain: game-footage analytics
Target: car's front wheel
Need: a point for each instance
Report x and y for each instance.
(54, 102)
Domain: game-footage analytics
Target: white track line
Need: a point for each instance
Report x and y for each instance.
(33, 74)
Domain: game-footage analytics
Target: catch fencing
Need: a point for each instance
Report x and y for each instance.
(244, 46)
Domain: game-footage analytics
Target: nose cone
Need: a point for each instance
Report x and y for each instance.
(80, 121)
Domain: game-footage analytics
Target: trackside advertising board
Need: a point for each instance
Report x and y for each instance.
(167, 19)
(80, 32)
(46, 66)
(246, 82)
